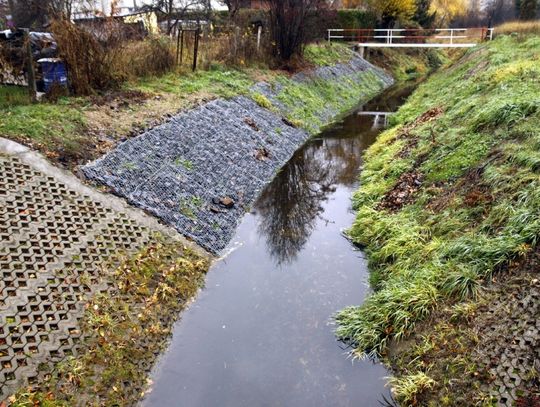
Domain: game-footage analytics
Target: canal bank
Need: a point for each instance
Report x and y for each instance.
(448, 214)
(261, 331)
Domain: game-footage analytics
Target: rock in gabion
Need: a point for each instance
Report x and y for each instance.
(224, 151)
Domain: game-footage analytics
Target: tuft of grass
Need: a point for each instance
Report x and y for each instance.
(262, 100)
(187, 164)
(406, 389)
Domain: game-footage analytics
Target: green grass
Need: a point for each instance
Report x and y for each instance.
(478, 205)
(303, 101)
(47, 124)
(408, 64)
(327, 54)
(218, 81)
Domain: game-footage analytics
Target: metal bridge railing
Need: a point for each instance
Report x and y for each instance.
(419, 37)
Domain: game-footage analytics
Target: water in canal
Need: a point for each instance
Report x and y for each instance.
(261, 333)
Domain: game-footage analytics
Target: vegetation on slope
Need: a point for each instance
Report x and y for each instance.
(450, 194)
(305, 101)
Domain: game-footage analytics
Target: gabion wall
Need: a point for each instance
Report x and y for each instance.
(202, 170)
(187, 170)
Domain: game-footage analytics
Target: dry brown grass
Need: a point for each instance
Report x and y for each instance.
(152, 56)
(519, 27)
(87, 61)
(232, 47)
(105, 63)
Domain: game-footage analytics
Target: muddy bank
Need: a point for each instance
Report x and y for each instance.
(202, 170)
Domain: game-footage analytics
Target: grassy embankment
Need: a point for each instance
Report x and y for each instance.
(449, 197)
(73, 130)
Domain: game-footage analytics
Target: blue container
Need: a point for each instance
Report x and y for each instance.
(54, 72)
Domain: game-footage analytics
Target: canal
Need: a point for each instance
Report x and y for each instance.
(261, 333)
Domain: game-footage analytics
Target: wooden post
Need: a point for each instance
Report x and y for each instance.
(181, 45)
(196, 49)
(178, 45)
(259, 31)
(31, 74)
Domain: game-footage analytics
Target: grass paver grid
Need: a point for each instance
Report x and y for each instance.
(54, 244)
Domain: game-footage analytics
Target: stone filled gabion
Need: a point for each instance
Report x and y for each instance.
(180, 170)
(225, 149)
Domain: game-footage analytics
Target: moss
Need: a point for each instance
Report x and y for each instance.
(478, 202)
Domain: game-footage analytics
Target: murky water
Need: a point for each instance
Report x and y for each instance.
(261, 333)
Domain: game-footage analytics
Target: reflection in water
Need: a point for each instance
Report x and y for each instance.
(258, 335)
(291, 204)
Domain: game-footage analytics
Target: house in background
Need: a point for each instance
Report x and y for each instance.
(93, 13)
(254, 4)
(106, 8)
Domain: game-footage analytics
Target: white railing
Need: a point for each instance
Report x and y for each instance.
(407, 37)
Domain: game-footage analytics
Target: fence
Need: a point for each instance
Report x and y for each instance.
(202, 45)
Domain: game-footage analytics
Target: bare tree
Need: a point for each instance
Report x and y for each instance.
(288, 25)
(499, 11)
(176, 10)
(38, 13)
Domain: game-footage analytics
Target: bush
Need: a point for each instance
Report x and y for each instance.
(153, 56)
(97, 65)
(87, 61)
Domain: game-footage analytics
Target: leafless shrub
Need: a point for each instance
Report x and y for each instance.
(96, 64)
